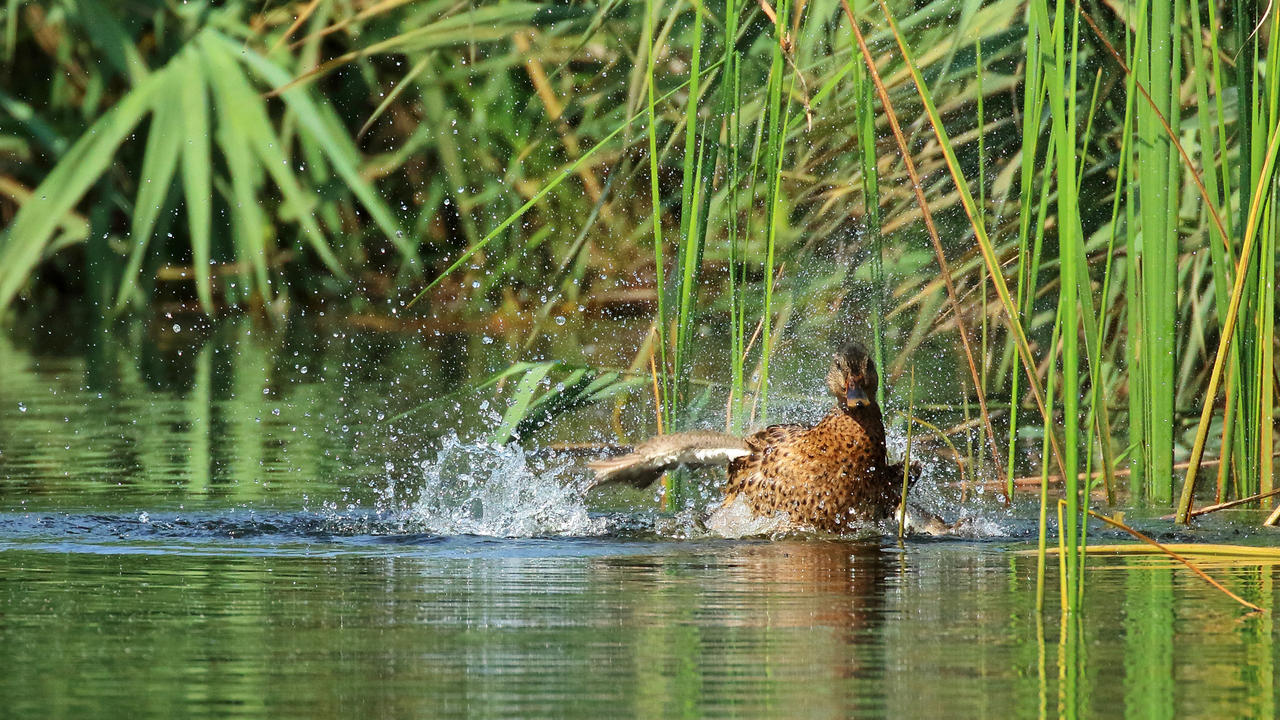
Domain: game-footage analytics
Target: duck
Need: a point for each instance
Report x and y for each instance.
(830, 477)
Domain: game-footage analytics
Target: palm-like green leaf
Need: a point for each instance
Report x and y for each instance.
(529, 408)
(158, 166)
(244, 109)
(195, 175)
(322, 127)
(58, 194)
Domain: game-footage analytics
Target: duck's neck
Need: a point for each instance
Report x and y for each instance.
(866, 421)
(866, 415)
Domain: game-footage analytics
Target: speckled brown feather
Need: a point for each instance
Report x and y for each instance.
(825, 477)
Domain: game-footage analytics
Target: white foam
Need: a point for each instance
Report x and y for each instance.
(735, 520)
(484, 489)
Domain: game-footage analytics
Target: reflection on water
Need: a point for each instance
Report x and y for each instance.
(229, 523)
(445, 627)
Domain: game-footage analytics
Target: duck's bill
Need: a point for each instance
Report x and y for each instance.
(855, 396)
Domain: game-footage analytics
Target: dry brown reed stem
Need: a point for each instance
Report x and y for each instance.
(1229, 504)
(1273, 518)
(1179, 558)
(1034, 480)
(297, 23)
(1238, 553)
(988, 253)
(657, 398)
(788, 46)
(917, 188)
(555, 111)
(366, 13)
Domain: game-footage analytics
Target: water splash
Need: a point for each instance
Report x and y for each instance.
(982, 516)
(496, 490)
(457, 487)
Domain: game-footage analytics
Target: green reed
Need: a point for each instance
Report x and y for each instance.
(1245, 352)
(692, 216)
(732, 113)
(1043, 526)
(775, 142)
(906, 458)
(1061, 82)
(667, 393)
(1026, 273)
(246, 175)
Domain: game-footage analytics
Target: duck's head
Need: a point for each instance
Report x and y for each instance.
(853, 378)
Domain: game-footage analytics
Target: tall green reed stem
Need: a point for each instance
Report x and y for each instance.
(1061, 80)
(967, 201)
(1156, 254)
(775, 138)
(651, 9)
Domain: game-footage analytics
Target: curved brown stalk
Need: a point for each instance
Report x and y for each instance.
(984, 243)
(1179, 558)
(917, 188)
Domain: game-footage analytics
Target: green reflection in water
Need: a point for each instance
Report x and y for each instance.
(606, 628)
(1148, 671)
(299, 614)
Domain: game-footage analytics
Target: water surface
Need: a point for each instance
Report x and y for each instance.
(241, 522)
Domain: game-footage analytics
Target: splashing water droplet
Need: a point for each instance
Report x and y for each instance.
(482, 489)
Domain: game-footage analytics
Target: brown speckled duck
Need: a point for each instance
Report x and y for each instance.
(827, 477)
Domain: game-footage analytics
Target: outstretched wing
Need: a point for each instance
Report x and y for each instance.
(775, 435)
(749, 471)
(643, 466)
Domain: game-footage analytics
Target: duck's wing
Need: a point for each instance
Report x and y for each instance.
(894, 474)
(776, 435)
(643, 466)
(758, 469)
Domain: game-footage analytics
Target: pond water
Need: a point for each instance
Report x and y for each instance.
(241, 521)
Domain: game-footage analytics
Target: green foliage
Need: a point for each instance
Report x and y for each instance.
(531, 406)
(725, 163)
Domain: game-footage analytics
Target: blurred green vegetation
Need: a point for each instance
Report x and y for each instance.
(702, 163)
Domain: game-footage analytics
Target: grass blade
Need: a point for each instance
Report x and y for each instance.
(67, 183)
(159, 163)
(196, 171)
